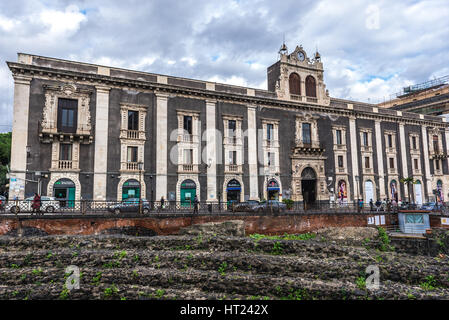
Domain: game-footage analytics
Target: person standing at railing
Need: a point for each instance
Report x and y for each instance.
(36, 205)
(371, 205)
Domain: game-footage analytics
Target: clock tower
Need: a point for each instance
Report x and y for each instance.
(298, 78)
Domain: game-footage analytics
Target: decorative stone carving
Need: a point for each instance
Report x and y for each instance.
(50, 111)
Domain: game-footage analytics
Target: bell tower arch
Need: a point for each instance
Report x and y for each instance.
(297, 77)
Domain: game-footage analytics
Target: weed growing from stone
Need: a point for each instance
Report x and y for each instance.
(277, 248)
(222, 268)
(160, 293)
(14, 266)
(384, 240)
(361, 283)
(97, 278)
(64, 293)
(429, 284)
(109, 292)
(286, 236)
(37, 271)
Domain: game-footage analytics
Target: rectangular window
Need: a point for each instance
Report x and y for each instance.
(339, 140)
(65, 151)
(437, 164)
(133, 120)
(270, 131)
(390, 141)
(365, 138)
(132, 154)
(232, 127)
(188, 124)
(392, 163)
(340, 161)
(270, 159)
(67, 115)
(414, 143)
(232, 157)
(367, 163)
(306, 133)
(435, 144)
(416, 163)
(188, 156)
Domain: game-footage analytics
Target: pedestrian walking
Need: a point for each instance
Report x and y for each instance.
(195, 205)
(36, 205)
(371, 205)
(378, 205)
(162, 202)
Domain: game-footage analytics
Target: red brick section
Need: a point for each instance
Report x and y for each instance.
(171, 225)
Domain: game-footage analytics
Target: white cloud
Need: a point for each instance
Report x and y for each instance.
(62, 23)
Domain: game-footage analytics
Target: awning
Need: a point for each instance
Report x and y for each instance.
(234, 188)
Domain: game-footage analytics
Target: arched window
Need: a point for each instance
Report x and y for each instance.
(310, 87)
(294, 84)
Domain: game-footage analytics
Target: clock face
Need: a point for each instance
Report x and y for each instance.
(301, 56)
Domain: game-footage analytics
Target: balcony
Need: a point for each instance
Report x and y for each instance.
(312, 99)
(232, 140)
(188, 168)
(132, 134)
(439, 155)
(308, 147)
(392, 171)
(364, 148)
(49, 133)
(233, 168)
(65, 164)
(295, 97)
(129, 166)
(341, 170)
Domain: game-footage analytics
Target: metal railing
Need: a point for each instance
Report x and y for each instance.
(64, 206)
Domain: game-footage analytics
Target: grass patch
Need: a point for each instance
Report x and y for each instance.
(285, 236)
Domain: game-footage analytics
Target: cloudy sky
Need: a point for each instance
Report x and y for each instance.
(370, 49)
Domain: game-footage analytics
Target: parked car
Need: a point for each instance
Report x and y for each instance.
(48, 204)
(243, 206)
(270, 205)
(130, 205)
(431, 206)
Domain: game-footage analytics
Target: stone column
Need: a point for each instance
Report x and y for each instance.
(403, 158)
(19, 136)
(354, 157)
(380, 160)
(252, 154)
(428, 178)
(101, 143)
(211, 150)
(161, 145)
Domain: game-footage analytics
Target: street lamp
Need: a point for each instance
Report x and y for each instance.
(140, 166)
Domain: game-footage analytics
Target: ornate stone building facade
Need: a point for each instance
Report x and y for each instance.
(84, 131)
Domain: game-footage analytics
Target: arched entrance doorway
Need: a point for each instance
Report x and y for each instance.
(188, 192)
(273, 190)
(64, 191)
(369, 191)
(233, 190)
(342, 192)
(394, 191)
(418, 192)
(131, 189)
(308, 186)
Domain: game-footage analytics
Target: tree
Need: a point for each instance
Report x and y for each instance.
(409, 181)
(5, 159)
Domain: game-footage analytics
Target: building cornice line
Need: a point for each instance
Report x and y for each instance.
(103, 81)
